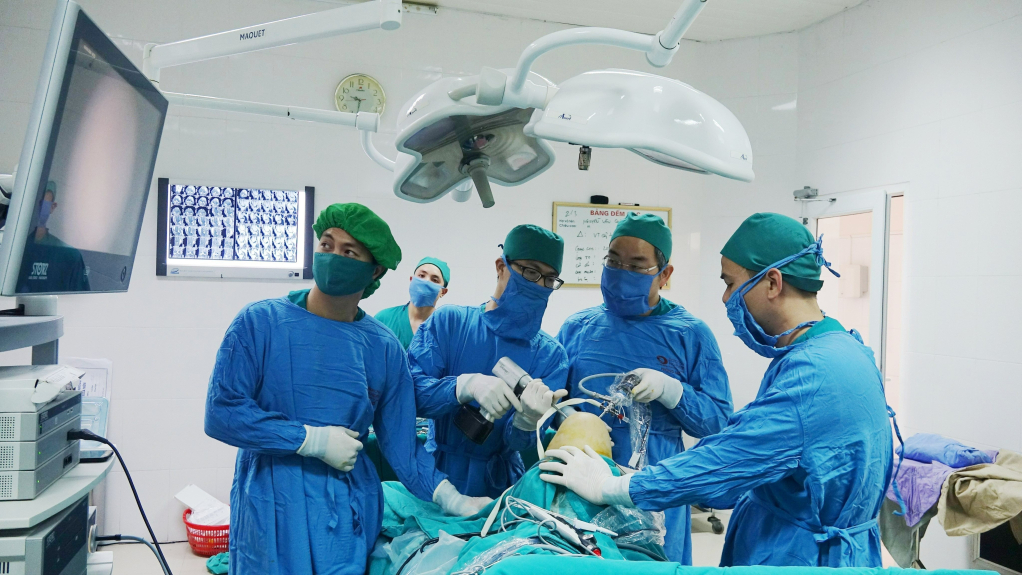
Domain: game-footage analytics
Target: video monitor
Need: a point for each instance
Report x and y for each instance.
(86, 167)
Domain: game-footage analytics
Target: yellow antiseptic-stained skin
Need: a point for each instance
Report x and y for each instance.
(581, 429)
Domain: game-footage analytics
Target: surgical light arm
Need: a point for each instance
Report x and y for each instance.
(366, 121)
(366, 137)
(659, 50)
(668, 39)
(385, 14)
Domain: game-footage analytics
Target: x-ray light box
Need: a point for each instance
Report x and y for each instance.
(222, 231)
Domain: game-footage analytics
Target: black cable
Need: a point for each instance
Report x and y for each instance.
(90, 436)
(20, 310)
(108, 540)
(120, 539)
(425, 544)
(647, 552)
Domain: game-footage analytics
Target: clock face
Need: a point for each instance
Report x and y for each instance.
(360, 93)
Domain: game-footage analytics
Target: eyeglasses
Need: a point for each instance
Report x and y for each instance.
(534, 275)
(611, 262)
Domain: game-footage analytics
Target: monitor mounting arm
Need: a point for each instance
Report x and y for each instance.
(385, 14)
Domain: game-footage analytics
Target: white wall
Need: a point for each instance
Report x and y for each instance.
(163, 334)
(929, 92)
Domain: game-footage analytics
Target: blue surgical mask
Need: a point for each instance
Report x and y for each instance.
(423, 292)
(520, 308)
(337, 275)
(626, 293)
(44, 212)
(746, 328)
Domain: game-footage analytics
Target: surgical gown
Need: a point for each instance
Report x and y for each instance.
(280, 367)
(805, 464)
(455, 340)
(674, 342)
(396, 319)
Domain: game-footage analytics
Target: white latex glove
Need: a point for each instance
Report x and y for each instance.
(494, 396)
(454, 503)
(337, 446)
(657, 385)
(536, 400)
(587, 474)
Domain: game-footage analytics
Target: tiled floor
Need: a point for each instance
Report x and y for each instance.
(706, 545)
(138, 560)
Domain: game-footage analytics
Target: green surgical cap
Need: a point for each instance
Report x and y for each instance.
(765, 239)
(648, 227)
(366, 227)
(529, 242)
(440, 264)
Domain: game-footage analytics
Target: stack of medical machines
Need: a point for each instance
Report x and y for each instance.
(37, 410)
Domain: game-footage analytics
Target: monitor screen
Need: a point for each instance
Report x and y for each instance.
(92, 191)
(234, 231)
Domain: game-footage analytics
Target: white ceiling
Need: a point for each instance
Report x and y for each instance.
(720, 20)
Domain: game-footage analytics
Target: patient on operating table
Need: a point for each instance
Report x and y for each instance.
(532, 518)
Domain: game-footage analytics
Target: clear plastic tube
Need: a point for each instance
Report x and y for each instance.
(505, 549)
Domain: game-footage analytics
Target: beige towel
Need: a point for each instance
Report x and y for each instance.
(976, 499)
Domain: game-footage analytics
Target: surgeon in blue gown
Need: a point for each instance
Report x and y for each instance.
(675, 354)
(807, 462)
(453, 353)
(297, 383)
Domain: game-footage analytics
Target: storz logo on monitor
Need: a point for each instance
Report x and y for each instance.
(39, 270)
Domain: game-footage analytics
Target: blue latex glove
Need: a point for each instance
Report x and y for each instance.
(930, 447)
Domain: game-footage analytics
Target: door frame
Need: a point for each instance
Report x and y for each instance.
(876, 200)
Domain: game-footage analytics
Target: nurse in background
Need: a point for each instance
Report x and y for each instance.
(428, 284)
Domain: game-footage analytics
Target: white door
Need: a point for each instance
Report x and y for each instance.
(856, 237)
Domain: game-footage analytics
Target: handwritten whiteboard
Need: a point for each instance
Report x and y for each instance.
(586, 229)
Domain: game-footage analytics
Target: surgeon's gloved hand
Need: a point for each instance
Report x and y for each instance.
(456, 504)
(587, 474)
(494, 396)
(657, 385)
(337, 446)
(536, 400)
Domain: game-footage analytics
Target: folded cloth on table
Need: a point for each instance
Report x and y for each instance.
(928, 447)
(978, 498)
(920, 481)
(920, 485)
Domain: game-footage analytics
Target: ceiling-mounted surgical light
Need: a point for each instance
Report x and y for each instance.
(445, 139)
(661, 119)
(460, 133)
